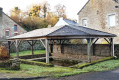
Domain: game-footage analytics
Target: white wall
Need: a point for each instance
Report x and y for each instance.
(60, 22)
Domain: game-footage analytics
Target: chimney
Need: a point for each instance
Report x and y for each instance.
(1, 10)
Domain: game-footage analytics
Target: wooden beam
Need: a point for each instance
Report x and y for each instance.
(43, 43)
(47, 51)
(29, 43)
(19, 42)
(96, 40)
(107, 40)
(112, 47)
(32, 43)
(61, 37)
(32, 47)
(12, 42)
(89, 49)
(9, 42)
(17, 52)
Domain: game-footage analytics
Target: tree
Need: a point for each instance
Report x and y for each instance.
(15, 14)
(45, 9)
(39, 10)
(31, 23)
(52, 18)
(38, 16)
(60, 10)
(76, 41)
(34, 11)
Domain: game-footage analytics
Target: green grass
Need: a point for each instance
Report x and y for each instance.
(43, 71)
(29, 52)
(103, 66)
(62, 71)
(80, 66)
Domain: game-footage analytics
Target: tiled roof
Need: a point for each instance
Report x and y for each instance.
(64, 31)
(70, 22)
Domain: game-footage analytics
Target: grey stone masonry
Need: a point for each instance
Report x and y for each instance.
(79, 51)
(7, 28)
(97, 12)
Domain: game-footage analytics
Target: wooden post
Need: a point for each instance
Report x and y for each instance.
(47, 51)
(112, 47)
(32, 43)
(17, 52)
(9, 43)
(89, 49)
(94, 49)
(32, 47)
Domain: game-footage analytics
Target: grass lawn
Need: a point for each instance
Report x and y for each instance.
(63, 71)
(43, 71)
(29, 52)
(103, 66)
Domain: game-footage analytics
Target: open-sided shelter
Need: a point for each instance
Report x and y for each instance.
(62, 33)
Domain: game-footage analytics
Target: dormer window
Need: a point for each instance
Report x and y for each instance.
(15, 27)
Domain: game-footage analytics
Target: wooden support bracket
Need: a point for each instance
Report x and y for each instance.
(107, 40)
(43, 43)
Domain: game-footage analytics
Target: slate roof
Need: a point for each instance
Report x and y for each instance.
(63, 31)
(70, 22)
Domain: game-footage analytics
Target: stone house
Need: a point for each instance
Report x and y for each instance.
(102, 15)
(63, 21)
(8, 27)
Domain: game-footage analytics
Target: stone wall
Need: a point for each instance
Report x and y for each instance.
(79, 51)
(8, 24)
(96, 12)
(26, 46)
(23, 46)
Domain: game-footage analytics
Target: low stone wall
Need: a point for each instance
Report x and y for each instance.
(79, 51)
(32, 56)
(26, 46)
(23, 46)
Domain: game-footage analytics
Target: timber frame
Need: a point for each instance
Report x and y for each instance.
(61, 34)
(90, 42)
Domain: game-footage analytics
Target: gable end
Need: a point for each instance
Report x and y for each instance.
(83, 7)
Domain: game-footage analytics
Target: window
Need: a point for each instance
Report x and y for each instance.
(15, 27)
(84, 23)
(7, 33)
(112, 20)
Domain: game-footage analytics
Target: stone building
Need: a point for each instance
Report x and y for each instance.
(101, 15)
(8, 27)
(63, 21)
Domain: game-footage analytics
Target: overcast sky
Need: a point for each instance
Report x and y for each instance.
(72, 6)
